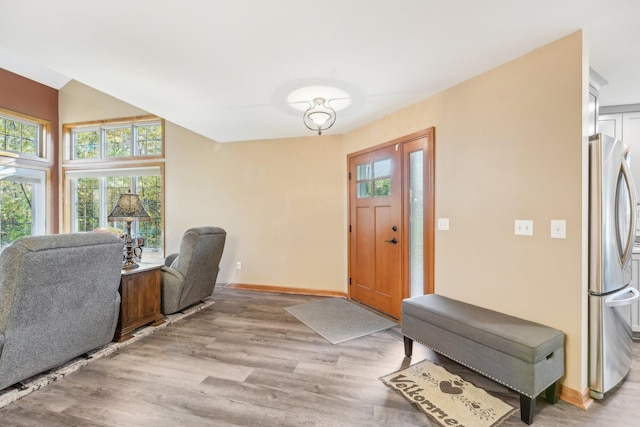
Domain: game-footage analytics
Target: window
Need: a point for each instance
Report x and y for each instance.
(373, 179)
(116, 141)
(107, 158)
(94, 193)
(24, 171)
(22, 136)
(22, 203)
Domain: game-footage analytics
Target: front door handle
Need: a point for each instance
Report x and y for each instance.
(394, 241)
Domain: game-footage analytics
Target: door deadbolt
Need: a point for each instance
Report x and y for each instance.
(394, 228)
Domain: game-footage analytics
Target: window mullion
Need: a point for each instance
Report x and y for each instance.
(133, 145)
(103, 143)
(103, 202)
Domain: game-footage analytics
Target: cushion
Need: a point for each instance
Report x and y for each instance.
(526, 340)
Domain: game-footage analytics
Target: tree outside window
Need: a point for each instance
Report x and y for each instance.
(15, 211)
(121, 141)
(22, 203)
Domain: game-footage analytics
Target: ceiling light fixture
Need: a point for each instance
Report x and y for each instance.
(319, 116)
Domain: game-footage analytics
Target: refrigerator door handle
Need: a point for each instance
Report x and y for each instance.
(613, 301)
(631, 193)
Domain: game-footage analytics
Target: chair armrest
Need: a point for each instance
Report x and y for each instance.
(168, 260)
(171, 275)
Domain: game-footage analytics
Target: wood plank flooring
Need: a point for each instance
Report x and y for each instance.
(244, 361)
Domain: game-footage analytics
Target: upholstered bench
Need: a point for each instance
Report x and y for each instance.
(525, 356)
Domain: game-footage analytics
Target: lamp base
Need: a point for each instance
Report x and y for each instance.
(129, 264)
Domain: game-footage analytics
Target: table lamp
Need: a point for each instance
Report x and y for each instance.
(128, 209)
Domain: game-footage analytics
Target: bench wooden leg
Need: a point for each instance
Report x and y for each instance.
(408, 346)
(551, 393)
(527, 408)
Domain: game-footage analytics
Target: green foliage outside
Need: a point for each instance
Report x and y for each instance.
(87, 144)
(150, 192)
(18, 137)
(15, 211)
(148, 188)
(382, 187)
(149, 140)
(87, 204)
(381, 184)
(118, 142)
(143, 139)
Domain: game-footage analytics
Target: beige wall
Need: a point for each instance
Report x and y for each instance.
(509, 146)
(80, 103)
(281, 202)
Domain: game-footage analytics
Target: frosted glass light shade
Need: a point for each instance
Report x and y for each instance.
(320, 116)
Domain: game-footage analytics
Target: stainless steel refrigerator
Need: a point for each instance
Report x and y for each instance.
(612, 224)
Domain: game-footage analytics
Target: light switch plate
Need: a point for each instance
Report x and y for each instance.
(558, 229)
(443, 224)
(524, 227)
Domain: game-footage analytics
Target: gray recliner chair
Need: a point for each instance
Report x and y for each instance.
(190, 275)
(58, 300)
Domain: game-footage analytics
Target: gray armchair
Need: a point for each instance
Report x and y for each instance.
(190, 276)
(58, 300)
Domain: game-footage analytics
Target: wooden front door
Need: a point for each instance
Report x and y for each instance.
(375, 193)
(391, 222)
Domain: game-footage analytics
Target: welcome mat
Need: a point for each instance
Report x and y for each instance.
(447, 398)
(338, 320)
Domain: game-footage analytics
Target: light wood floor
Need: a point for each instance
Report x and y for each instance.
(245, 361)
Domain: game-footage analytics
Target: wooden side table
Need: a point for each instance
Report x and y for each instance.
(140, 300)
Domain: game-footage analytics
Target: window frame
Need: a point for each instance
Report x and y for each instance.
(43, 153)
(125, 170)
(371, 179)
(102, 166)
(102, 126)
(39, 178)
(40, 165)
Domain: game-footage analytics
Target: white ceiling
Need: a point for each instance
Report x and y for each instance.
(225, 68)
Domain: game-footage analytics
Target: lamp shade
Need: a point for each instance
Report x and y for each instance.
(129, 209)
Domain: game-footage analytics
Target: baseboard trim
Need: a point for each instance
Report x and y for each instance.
(580, 399)
(286, 290)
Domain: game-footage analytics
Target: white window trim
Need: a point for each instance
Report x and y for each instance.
(102, 130)
(42, 144)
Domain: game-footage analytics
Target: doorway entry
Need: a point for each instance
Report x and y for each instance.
(391, 222)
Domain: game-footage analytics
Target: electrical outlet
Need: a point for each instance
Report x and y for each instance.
(238, 265)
